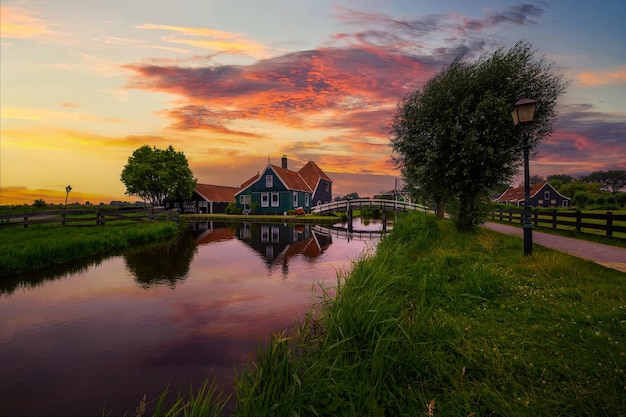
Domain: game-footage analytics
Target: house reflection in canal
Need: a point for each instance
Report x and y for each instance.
(275, 243)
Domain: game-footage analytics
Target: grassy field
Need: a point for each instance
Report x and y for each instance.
(41, 246)
(443, 324)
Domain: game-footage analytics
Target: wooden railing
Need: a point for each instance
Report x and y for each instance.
(366, 203)
(613, 225)
(95, 217)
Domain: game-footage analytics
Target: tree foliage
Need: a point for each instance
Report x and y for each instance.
(454, 138)
(612, 180)
(157, 175)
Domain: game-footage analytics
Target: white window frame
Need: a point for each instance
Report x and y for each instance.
(275, 237)
(295, 199)
(265, 233)
(306, 200)
(269, 181)
(277, 202)
(242, 199)
(546, 195)
(265, 199)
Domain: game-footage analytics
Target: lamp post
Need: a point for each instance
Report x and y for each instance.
(67, 193)
(523, 112)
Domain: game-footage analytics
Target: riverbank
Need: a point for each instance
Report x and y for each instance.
(39, 247)
(262, 218)
(443, 324)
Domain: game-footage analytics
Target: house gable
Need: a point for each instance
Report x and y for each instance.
(541, 195)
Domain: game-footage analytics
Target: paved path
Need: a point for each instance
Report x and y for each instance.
(609, 256)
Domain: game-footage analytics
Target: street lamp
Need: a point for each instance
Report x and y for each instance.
(67, 193)
(523, 112)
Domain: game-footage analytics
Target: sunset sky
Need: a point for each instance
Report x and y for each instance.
(233, 82)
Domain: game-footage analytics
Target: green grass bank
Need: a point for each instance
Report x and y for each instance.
(445, 324)
(42, 246)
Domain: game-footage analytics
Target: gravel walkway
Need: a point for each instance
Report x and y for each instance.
(609, 256)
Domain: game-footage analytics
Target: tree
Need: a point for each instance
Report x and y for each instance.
(157, 175)
(40, 203)
(454, 137)
(564, 178)
(612, 180)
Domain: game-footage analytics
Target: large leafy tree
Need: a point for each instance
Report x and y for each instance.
(612, 180)
(158, 175)
(454, 138)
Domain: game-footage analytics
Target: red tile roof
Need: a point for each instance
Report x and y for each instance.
(292, 179)
(311, 174)
(517, 194)
(216, 192)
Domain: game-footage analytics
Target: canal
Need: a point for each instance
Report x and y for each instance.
(91, 338)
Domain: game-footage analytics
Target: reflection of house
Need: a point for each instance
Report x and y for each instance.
(278, 189)
(541, 195)
(208, 199)
(278, 243)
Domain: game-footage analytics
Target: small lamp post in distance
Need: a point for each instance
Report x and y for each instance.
(67, 193)
(523, 112)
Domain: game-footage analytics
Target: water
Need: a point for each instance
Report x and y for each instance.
(94, 337)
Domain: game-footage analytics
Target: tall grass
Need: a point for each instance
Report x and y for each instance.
(446, 324)
(40, 246)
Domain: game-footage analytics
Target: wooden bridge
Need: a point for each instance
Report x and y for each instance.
(366, 203)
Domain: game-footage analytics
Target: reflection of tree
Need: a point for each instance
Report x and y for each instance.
(32, 279)
(161, 265)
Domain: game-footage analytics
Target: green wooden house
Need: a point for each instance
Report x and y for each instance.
(276, 190)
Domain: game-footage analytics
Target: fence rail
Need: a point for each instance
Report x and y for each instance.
(366, 203)
(81, 218)
(608, 223)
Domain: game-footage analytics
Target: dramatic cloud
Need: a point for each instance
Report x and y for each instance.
(583, 134)
(598, 78)
(215, 40)
(21, 23)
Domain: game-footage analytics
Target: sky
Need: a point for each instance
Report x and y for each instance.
(235, 83)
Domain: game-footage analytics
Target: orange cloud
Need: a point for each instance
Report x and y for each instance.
(213, 39)
(599, 78)
(25, 195)
(20, 23)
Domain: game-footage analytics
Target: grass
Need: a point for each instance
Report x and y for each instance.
(42, 246)
(445, 324)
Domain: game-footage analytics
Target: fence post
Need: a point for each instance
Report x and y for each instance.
(535, 217)
(500, 214)
(25, 220)
(554, 219)
(63, 216)
(98, 216)
(578, 220)
(609, 224)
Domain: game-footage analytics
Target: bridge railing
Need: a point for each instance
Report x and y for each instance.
(366, 203)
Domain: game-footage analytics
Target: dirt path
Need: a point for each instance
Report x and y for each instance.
(609, 256)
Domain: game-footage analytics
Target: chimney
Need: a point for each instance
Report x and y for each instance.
(284, 162)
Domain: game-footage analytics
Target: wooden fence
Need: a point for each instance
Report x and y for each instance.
(86, 217)
(598, 223)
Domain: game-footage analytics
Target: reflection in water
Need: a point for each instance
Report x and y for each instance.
(162, 265)
(96, 341)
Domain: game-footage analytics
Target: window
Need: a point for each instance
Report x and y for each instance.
(265, 234)
(565, 203)
(306, 200)
(295, 199)
(242, 199)
(326, 186)
(265, 199)
(275, 234)
(546, 195)
(275, 200)
(269, 181)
